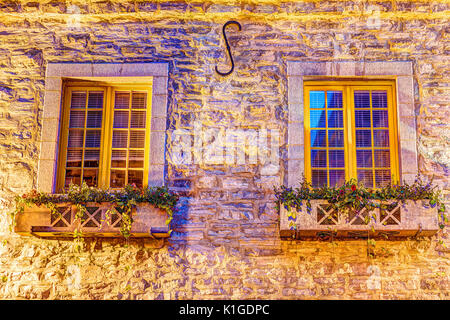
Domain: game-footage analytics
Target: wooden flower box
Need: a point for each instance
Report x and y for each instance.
(413, 218)
(99, 220)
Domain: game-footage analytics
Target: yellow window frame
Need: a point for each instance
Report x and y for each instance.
(109, 90)
(348, 87)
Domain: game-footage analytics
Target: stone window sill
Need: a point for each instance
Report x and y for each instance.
(411, 219)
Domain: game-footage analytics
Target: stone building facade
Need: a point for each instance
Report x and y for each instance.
(225, 241)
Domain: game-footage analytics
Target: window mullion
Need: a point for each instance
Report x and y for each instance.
(65, 114)
(147, 138)
(327, 150)
(372, 133)
(129, 136)
(393, 146)
(349, 134)
(307, 133)
(105, 150)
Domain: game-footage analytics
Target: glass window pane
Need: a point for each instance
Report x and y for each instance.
(382, 158)
(337, 177)
(119, 158)
(94, 119)
(362, 118)
(72, 176)
(137, 119)
(135, 177)
(91, 158)
(318, 158)
(90, 177)
(381, 138)
(122, 100)
(120, 139)
(336, 138)
(379, 99)
(334, 99)
(336, 158)
(318, 138)
(363, 138)
(382, 178)
(78, 99)
(362, 99)
(95, 99)
(117, 179)
(74, 158)
(335, 119)
(136, 159)
(93, 138)
(364, 158)
(76, 119)
(317, 99)
(366, 177)
(87, 119)
(317, 118)
(139, 100)
(120, 119)
(137, 139)
(76, 138)
(380, 118)
(319, 178)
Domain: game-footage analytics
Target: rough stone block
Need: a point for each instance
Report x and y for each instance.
(160, 84)
(48, 150)
(156, 175)
(159, 105)
(295, 133)
(235, 183)
(46, 175)
(408, 156)
(158, 124)
(53, 83)
(157, 150)
(50, 130)
(52, 105)
(405, 89)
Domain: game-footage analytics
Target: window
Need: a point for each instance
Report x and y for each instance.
(149, 77)
(350, 132)
(105, 136)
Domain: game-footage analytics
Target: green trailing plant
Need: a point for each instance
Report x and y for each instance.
(353, 196)
(124, 200)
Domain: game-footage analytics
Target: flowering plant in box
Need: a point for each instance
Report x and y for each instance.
(353, 196)
(124, 200)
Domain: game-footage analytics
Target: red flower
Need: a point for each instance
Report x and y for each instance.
(353, 187)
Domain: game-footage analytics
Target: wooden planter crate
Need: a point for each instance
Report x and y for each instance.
(413, 218)
(99, 220)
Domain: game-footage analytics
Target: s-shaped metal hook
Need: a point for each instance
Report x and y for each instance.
(228, 46)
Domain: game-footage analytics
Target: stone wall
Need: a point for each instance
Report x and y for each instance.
(225, 242)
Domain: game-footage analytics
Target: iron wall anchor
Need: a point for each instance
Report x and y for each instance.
(228, 47)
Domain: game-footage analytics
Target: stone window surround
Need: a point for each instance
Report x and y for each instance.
(400, 71)
(118, 72)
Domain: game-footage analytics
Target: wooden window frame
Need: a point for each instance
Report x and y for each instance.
(106, 128)
(348, 87)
